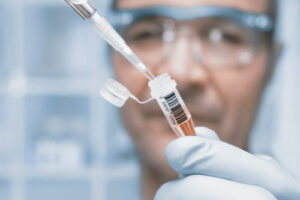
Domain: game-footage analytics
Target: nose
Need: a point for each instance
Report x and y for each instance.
(182, 63)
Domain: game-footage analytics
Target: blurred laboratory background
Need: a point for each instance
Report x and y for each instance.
(60, 140)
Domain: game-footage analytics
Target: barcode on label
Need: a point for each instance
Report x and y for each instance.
(176, 108)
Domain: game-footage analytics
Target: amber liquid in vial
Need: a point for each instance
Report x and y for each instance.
(185, 128)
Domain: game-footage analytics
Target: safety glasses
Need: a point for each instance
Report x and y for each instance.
(218, 37)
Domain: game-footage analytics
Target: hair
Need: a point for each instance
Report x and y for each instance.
(273, 9)
(273, 13)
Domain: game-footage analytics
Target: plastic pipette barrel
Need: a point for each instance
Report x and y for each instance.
(108, 33)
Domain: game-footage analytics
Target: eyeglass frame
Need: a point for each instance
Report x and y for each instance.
(259, 21)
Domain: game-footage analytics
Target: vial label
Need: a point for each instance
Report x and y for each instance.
(166, 107)
(175, 107)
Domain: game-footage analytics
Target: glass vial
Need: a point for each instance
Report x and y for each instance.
(164, 90)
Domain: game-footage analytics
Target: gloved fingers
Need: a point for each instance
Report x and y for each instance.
(197, 155)
(206, 133)
(267, 158)
(197, 187)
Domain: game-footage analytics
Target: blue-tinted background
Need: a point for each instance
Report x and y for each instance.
(60, 140)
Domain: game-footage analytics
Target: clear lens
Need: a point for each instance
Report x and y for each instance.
(145, 39)
(224, 43)
(217, 42)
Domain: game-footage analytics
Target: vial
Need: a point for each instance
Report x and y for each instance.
(164, 91)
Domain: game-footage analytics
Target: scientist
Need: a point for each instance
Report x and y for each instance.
(222, 54)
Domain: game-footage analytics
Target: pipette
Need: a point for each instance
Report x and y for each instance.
(163, 88)
(108, 33)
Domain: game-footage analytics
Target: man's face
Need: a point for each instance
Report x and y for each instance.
(223, 100)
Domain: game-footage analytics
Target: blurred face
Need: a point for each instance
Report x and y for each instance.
(224, 99)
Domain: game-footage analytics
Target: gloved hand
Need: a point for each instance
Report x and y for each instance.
(210, 169)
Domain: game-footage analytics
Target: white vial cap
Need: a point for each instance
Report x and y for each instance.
(115, 93)
(161, 85)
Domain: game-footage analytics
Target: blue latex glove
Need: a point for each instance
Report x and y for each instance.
(210, 169)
